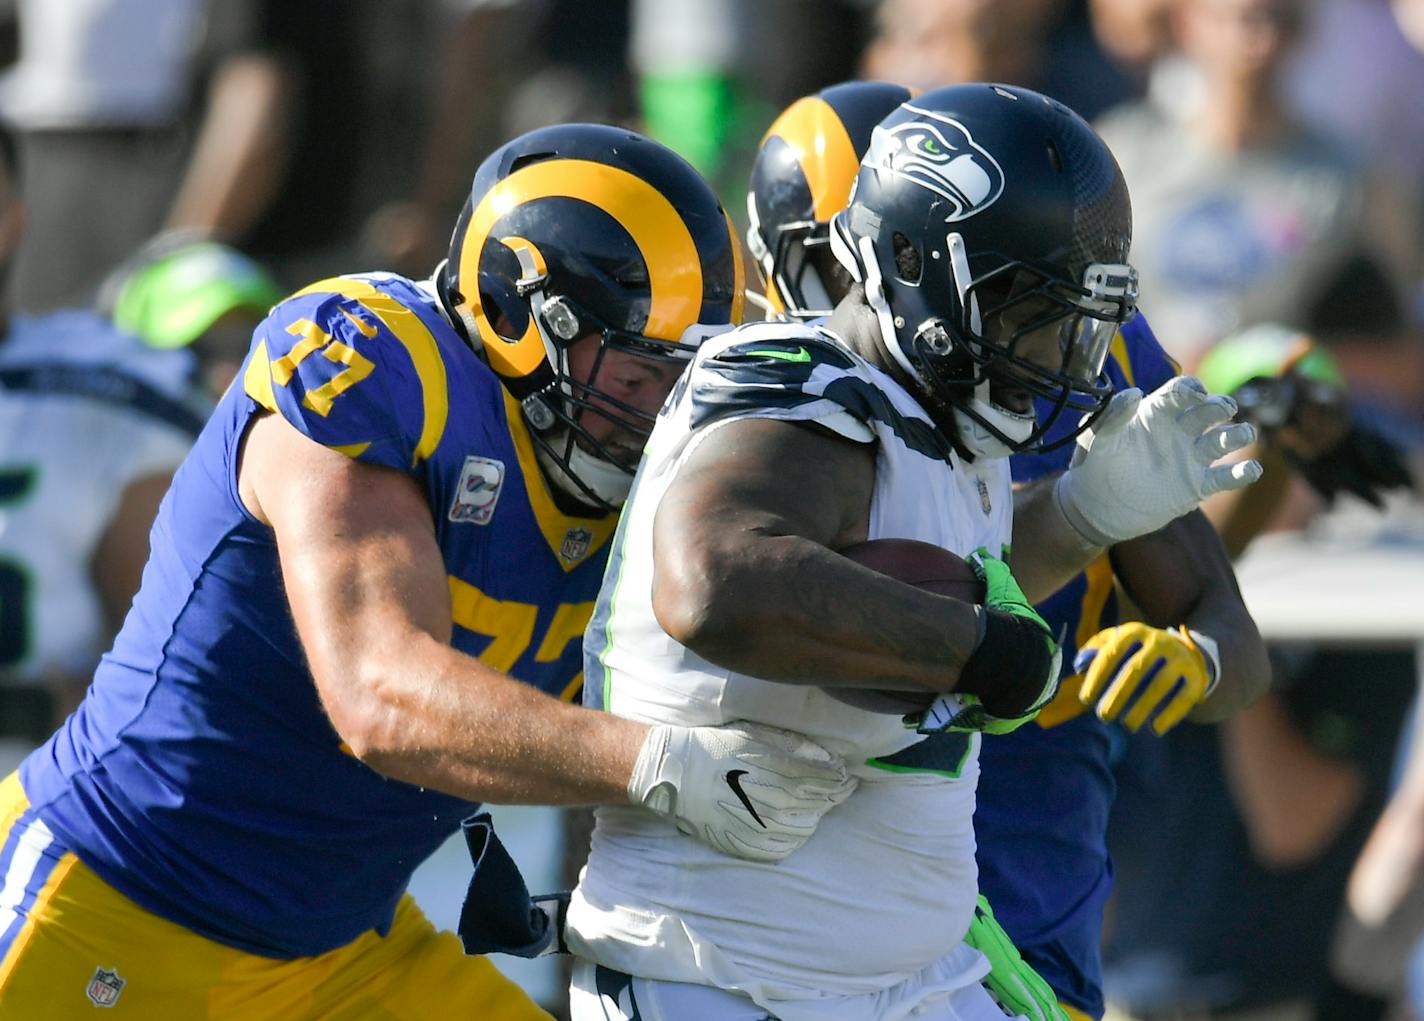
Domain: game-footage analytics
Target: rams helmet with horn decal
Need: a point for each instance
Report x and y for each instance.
(578, 231)
(988, 221)
(802, 176)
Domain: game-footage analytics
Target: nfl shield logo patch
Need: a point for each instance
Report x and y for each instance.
(104, 988)
(984, 503)
(575, 545)
(478, 491)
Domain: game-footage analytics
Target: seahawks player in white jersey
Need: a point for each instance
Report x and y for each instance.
(92, 425)
(988, 234)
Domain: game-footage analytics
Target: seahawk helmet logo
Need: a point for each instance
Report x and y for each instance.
(938, 153)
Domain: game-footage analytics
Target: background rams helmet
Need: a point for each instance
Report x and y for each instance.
(982, 213)
(579, 230)
(802, 176)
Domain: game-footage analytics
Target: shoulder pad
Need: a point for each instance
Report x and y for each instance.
(797, 373)
(355, 368)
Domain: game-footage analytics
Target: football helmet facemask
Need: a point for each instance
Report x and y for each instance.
(579, 231)
(990, 227)
(802, 176)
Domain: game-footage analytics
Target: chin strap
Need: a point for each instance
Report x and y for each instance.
(979, 441)
(608, 481)
(604, 480)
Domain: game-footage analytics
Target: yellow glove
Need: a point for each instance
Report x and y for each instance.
(1162, 673)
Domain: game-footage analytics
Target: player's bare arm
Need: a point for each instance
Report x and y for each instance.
(746, 574)
(1047, 552)
(371, 602)
(1180, 574)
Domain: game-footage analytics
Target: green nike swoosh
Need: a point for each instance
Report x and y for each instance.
(799, 355)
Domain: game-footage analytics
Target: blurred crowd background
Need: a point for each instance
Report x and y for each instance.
(178, 165)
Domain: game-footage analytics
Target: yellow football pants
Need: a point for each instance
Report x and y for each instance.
(69, 943)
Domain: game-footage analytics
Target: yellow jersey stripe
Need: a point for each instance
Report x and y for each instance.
(1118, 353)
(419, 344)
(553, 523)
(257, 380)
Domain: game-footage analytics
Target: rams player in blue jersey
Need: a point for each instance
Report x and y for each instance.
(1044, 790)
(364, 605)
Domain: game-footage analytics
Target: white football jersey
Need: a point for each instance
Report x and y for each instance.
(887, 885)
(84, 411)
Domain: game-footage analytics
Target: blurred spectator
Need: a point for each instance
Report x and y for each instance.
(245, 119)
(1039, 44)
(1384, 907)
(1311, 437)
(91, 427)
(1267, 813)
(181, 290)
(99, 92)
(283, 132)
(1357, 77)
(1241, 213)
(1135, 34)
(713, 73)
(1232, 844)
(503, 67)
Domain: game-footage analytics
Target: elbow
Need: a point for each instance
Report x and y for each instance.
(690, 603)
(366, 722)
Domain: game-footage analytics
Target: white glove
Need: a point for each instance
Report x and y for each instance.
(1149, 460)
(748, 790)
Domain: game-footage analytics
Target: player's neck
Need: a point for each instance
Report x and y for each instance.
(855, 323)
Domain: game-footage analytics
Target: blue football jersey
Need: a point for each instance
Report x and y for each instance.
(1045, 790)
(201, 777)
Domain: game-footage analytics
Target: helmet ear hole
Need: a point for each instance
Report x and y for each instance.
(908, 264)
(1055, 158)
(506, 314)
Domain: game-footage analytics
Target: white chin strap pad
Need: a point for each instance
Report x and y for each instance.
(608, 481)
(979, 441)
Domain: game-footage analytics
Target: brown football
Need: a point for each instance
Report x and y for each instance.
(925, 566)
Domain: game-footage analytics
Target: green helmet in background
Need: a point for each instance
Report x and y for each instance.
(1265, 351)
(173, 290)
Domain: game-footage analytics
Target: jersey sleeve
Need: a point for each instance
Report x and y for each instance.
(783, 373)
(342, 362)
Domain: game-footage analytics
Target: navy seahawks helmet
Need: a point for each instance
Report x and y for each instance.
(982, 216)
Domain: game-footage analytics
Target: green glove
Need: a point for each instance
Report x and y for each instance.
(1002, 593)
(1018, 988)
(1001, 588)
(1005, 650)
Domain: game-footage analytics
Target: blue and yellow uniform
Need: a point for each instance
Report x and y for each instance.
(1045, 791)
(197, 819)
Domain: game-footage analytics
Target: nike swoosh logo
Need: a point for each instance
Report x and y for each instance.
(734, 781)
(799, 355)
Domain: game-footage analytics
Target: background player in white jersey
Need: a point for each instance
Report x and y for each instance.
(988, 236)
(91, 427)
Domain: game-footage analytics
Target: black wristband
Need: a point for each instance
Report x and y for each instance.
(1009, 667)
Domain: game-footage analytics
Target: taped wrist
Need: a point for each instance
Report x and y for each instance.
(1009, 668)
